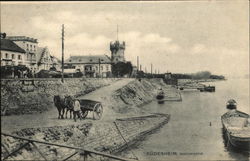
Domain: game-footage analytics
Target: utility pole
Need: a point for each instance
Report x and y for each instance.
(151, 69)
(62, 52)
(137, 63)
(117, 33)
(99, 67)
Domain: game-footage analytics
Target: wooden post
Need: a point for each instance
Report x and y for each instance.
(151, 69)
(137, 63)
(62, 52)
(99, 67)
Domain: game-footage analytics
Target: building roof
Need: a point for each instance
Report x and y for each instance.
(55, 59)
(90, 59)
(40, 53)
(22, 38)
(10, 46)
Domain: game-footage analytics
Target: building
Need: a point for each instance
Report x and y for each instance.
(11, 54)
(30, 46)
(90, 66)
(43, 59)
(56, 63)
(117, 51)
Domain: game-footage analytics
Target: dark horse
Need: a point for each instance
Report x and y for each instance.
(65, 104)
(62, 104)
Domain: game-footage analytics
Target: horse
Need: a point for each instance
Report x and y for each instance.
(59, 102)
(69, 102)
(74, 106)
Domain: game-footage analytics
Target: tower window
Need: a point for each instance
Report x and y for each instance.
(6, 55)
(19, 57)
(13, 56)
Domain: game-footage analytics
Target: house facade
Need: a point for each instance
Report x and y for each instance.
(29, 45)
(43, 59)
(11, 54)
(90, 66)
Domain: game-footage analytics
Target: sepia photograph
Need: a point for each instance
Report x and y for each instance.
(125, 80)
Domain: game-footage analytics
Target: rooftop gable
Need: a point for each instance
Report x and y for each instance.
(90, 59)
(10, 46)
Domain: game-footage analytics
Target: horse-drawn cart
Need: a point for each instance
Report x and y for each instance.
(89, 105)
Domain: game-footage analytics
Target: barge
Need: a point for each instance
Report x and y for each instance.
(236, 128)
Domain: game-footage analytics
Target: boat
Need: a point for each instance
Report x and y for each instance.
(160, 95)
(236, 128)
(209, 88)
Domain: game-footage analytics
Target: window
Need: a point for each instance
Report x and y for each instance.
(34, 48)
(80, 60)
(19, 57)
(6, 55)
(107, 67)
(13, 56)
(27, 46)
(91, 60)
(30, 47)
(101, 68)
(116, 59)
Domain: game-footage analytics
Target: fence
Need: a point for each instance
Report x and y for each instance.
(85, 152)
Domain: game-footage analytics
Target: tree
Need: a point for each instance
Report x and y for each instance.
(120, 69)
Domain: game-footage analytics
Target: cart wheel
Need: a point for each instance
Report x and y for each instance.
(84, 113)
(97, 111)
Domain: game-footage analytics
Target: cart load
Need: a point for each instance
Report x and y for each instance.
(86, 105)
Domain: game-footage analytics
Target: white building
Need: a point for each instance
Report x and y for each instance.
(43, 59)
(30, 46)
(11, 54)
(90, 66)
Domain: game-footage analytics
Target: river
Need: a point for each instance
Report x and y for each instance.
(194, 130)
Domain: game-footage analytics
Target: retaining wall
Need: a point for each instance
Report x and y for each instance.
(108, 137)
(23, 96)
(138, 93)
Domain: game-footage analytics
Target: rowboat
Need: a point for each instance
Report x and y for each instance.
(236, 128)
(160, 95)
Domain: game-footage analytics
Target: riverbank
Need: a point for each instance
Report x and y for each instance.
(29, 97)
(121, 100)
(108, 137)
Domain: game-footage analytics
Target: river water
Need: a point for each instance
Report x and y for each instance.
(194, 130)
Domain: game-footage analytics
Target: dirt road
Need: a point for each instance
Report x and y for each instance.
(49, 118)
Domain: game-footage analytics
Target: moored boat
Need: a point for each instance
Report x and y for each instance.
(236, 127)
(160, 95)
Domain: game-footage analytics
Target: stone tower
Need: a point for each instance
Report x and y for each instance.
(117, 51)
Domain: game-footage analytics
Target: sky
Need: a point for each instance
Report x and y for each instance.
(175, 36)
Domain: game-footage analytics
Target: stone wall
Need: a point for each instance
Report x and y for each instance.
(108, 137)
(138, 93)
(23, 96)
